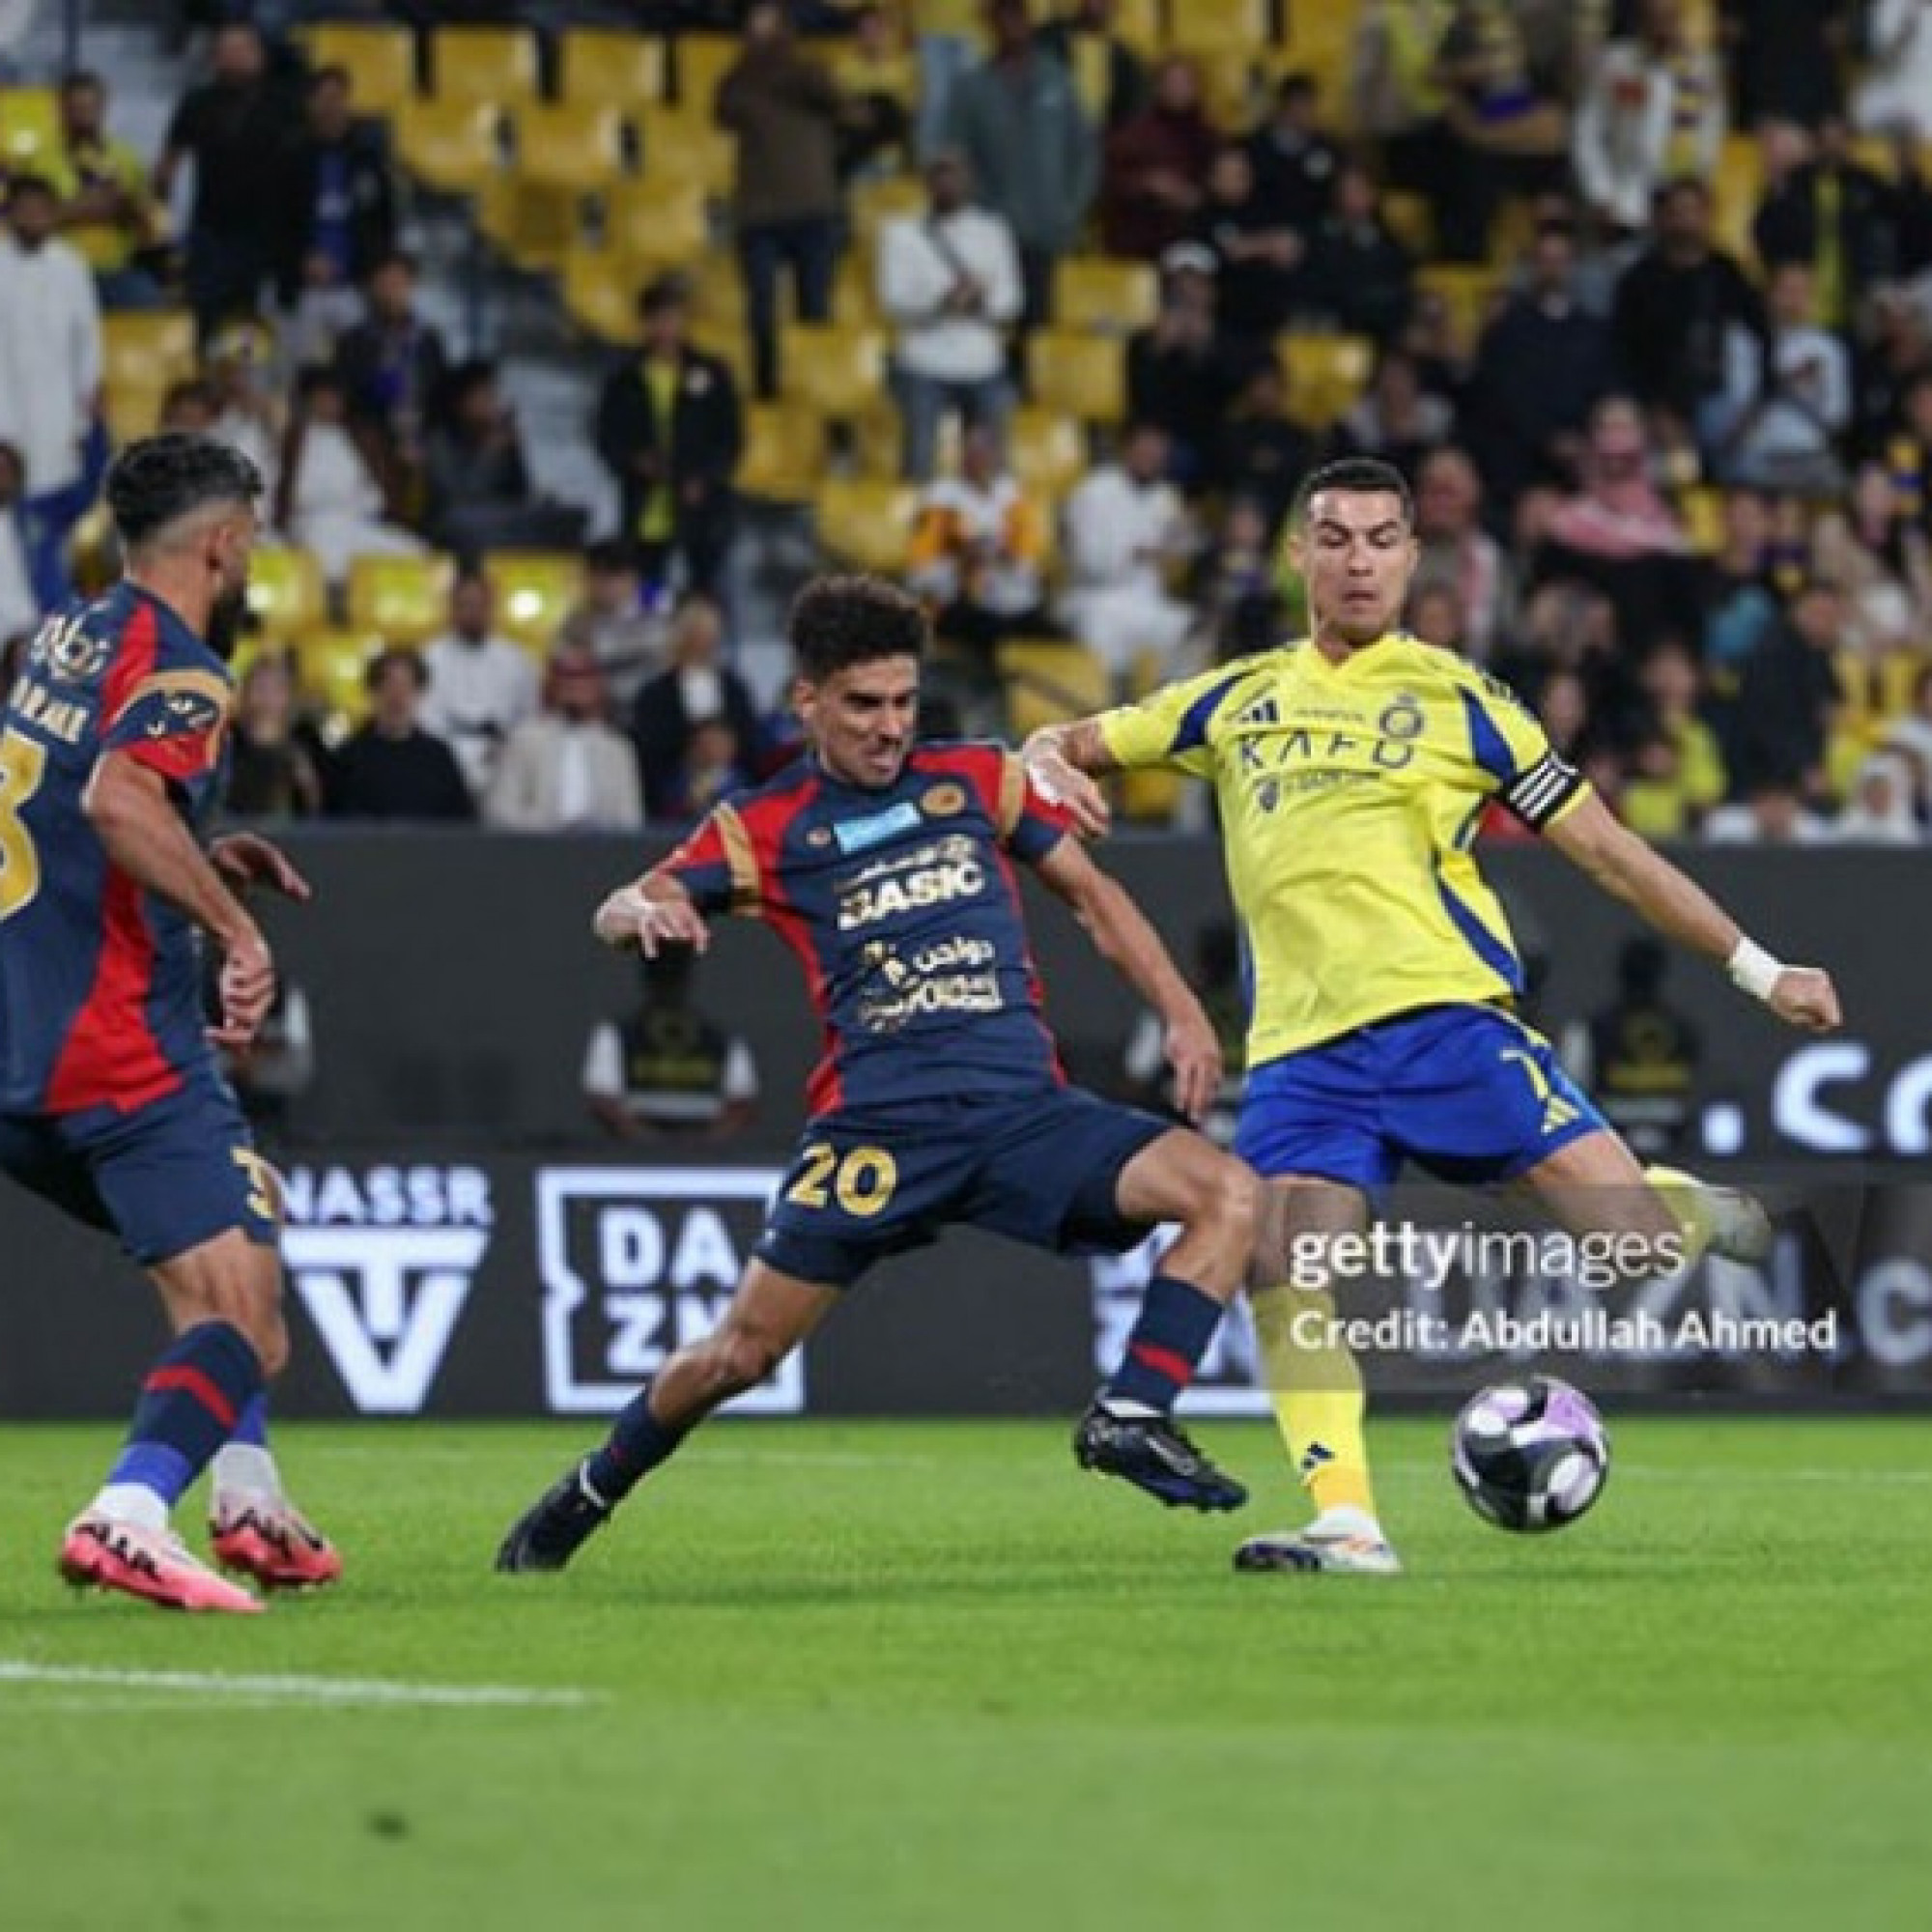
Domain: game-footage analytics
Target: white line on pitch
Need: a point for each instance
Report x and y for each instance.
(292, 1690)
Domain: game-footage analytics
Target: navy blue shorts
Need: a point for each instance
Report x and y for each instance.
(1044, 1170)
(166, 1177)
(1466, 1092)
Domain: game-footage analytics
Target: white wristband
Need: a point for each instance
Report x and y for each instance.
(1752, 969)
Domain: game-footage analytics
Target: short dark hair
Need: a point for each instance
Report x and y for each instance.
(82, 80)
(163, 477)
(30, 183)
(386, 660)
(334, 75)
(608, 555)
(836, 622)
(1354, 477)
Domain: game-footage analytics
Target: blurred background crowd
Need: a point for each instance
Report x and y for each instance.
(569, 337)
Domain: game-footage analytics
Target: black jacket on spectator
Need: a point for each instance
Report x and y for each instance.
(661, 729)
(1784, 67)
(1781, 720)
(1360, 276)
(368, 188)
(1292, 185)
(1538, 373)
(1264, 458)
(701, 442)
(417, 777)
(1786, 226)
(1669, 321)
(233, 135)
(393, 377)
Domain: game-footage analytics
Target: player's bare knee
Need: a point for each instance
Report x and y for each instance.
(736, 1358)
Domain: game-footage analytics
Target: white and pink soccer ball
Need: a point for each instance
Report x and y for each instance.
(1530, 1455)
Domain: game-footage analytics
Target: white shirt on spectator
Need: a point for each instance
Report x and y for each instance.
(477, 696)
(558, 774)
(921, 260)
(335, 505)
(1813, 403)
(19, 609)
(49, 359)
(1628, 138)
(1897, 84)
(1118, 533)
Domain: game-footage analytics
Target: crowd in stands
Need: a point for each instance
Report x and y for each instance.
(1060, 302)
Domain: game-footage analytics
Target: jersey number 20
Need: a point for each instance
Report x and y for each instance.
(22, 765)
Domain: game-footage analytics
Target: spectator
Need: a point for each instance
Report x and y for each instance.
(1787, 400)
(1772, 812)
(249, 411)
(107, 209)
(328, 499)
(272, 772)
(697, 688)
(1126, 527)
(951, 282)
(1261, 453)
(1737, 603)
(1653, 110)
(1543, 364)
(1030, 147)
(478, 480)
(946, 42)
(667, 1067)
(391, 767)
(1256, 253)
(670, 431)
(1435, 618)
(233, 127)
(1178, 376)
(1459, 554)
(1155, 169)
(1360, 277)
(49, 342)
(1294, 163)
(1881, 558)
(393, 366)
(1896, 87)
(1675, 306)
(337, 217)
(1879, 810)
(35, 578)
(481, 685)
(1396, 420)
(566, 770)
(1233, 586)
(1691, 779)
(1788, 695)
(611, 621)
(878, 86)
(1835, 217)
(1784, 58)
(1911, 737)
(784, 109)
(1638, 1057)
(1395, 85)
(1217, 979)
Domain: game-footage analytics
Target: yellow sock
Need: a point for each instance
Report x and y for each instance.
(1315, 1384)
(1690, 1206)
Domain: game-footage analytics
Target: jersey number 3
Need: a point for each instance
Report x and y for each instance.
(22, 765)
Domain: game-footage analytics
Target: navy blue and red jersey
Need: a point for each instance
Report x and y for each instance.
(904, 907)
(99, 983)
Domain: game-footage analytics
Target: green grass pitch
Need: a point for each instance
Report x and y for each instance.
(903, 1676)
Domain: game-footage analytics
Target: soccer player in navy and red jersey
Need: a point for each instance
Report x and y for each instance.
(111, 751)
(888, 869)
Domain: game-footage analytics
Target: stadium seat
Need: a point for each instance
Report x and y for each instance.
(1227, 82)
(1896, 683)
(1050, 680)
(286, 592)
(380, 59)
(839, 372)
(1234, 26)
(701, 61)
(494, 67)
(681, 147)
(1703, 514)
(1320, 42)
(1411, 222)
(784, 453)
(536, 590)
(1140, 24)
(865, 523)
(1103, 296)
(30, 126)
(133, 406)
(329, 667)
(1469, 292)
(1735, 196)
(403, 600)
(599, 290)
(1327, 374)
(660, 220)
(149, 347)
(1045, 451)
(597, 67)
(453, 146)
(577, 146)
(1076, 375)
(855, 294)
(872, 203)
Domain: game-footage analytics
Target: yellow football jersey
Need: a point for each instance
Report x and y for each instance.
(1349, 795)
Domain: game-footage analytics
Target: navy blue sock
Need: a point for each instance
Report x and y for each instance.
(190, 1403)
(1176, 1322)
(637, 1444)
(251, 1426)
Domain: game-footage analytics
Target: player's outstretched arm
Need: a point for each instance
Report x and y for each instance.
(128, 805)
(1629, 868)
(1064, 760)
(651, 912)
(1123, 937)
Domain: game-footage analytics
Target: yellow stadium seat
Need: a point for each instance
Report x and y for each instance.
(286, 592)
(329, 667)
(1047, 452)
(1469, 292)
(454, 147)
(1228, 76)
(403, 600)
(884, 198)
(494, 66)
(1083, 376)
(702, 61)
(1896, 683)
(865, 523)
(681, 147)
(133, 407)
(1327, 374)
(599, 290)
(1703, 514)
(839, 372)
(30, 126)
(536, 590)
(855, 294)
(1238, 26)
(1735, 195)
(660, 220)
(597, 67)
(576, 146)
(784, 453)
(1139, 23)
(1103, 296)
(380, 60)
(151, 348)
(1050, 680)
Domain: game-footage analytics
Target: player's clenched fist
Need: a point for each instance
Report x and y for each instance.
(630, 917)
(247, 991)
(1806, 997)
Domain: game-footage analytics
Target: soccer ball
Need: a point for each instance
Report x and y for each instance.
(1530, 1455)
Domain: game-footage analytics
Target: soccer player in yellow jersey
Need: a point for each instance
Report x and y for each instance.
(1351, 770)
